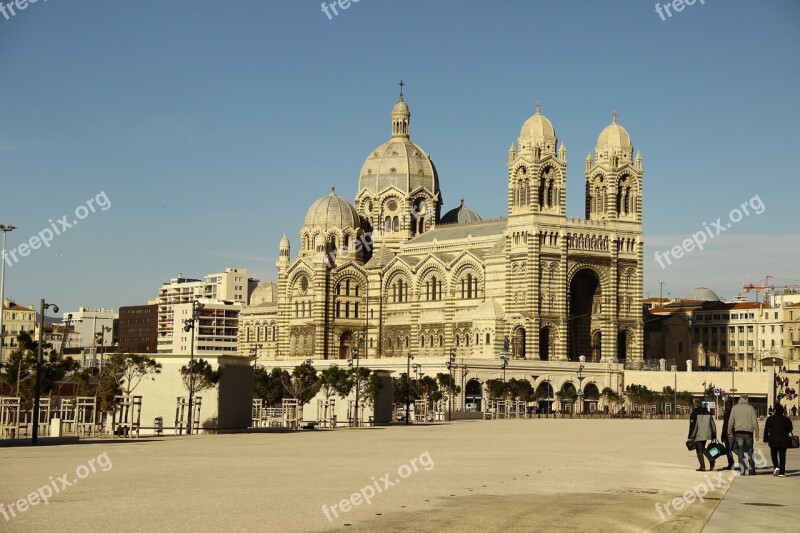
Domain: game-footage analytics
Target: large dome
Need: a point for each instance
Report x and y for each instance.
(461, 214)
(702, 294)
(401, 164)
(538, 130)
(332, 211)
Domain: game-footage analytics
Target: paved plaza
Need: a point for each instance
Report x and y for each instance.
(501, 475)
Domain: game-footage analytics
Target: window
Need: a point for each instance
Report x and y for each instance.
(488, 339)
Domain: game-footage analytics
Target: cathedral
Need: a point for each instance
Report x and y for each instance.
(389, 275)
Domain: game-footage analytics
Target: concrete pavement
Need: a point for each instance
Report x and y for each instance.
(501, 475)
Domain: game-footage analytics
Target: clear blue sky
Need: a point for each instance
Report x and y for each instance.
(212, 126)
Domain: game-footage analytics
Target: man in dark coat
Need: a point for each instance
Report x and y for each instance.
(702, 428)
(776, 434)
(728, 441)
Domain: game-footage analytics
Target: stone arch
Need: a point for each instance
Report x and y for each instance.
(585, 295)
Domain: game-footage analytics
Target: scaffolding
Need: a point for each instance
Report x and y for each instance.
(182, 412)
(86, 411)
(9, 417)
(291, 413)
(326, 413)
(126, 418)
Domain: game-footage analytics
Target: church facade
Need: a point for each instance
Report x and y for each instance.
(391, 274)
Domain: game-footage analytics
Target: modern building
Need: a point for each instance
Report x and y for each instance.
(138, 329)
(233, 286)
(16, 319)
(216, 331)
(97, 328)
(535, 284)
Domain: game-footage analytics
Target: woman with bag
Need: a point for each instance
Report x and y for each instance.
(777, 434)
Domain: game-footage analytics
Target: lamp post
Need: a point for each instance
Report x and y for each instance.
(254, 352)
(503, 368)
(189, 324)
(103, 331)
(356, 350)
(5, 228)
(464, 374)
(37, 391)
(450, 387)
(579, 393)
(408, 384)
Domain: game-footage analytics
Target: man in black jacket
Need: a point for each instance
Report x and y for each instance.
(728, 441)
(776, 434)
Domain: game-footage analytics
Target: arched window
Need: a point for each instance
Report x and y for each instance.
(488, 339)
(396, 224)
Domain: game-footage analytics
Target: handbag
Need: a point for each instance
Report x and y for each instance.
(690, 445)
(716, 449)
(794, 441)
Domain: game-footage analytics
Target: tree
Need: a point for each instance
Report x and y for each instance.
(370, 384)
(568, 395)
(611, 397)
(269, 385)
(497, 388)
(520, 390)
(447, 383)
(127, 370)
(200, 376)
(302, 384)
(335, 380)
(401, 386)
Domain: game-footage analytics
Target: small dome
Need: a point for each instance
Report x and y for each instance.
(460, 214)
(538, 130)
(401, 108)
(332, 211)
(284, 241)
(614, 138)
(488, 310)
(264, 294)
(702, 294)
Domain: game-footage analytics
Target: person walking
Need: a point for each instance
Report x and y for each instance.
(794, 410)
(776, 434)
(702, 428)
(742, 428)
(728, 442)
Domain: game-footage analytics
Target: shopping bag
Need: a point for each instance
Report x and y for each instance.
(690, 444)
(795, 441)
(715, 449)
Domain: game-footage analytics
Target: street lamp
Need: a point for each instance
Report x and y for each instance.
(38, 392)
(503, 368)
(5, 228)
(189, 325)
(103, 331)
(450, 364)
(408, 384)
(356, 350)
(579, 393)
(254, 352)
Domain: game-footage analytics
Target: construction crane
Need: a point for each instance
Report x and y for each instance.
(767, 287)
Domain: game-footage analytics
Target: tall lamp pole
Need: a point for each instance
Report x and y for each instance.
(190, 324)
(408, 384)
(38, 391)
(254, 352)
(356, 350)
(450, 385)
(5, 228)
